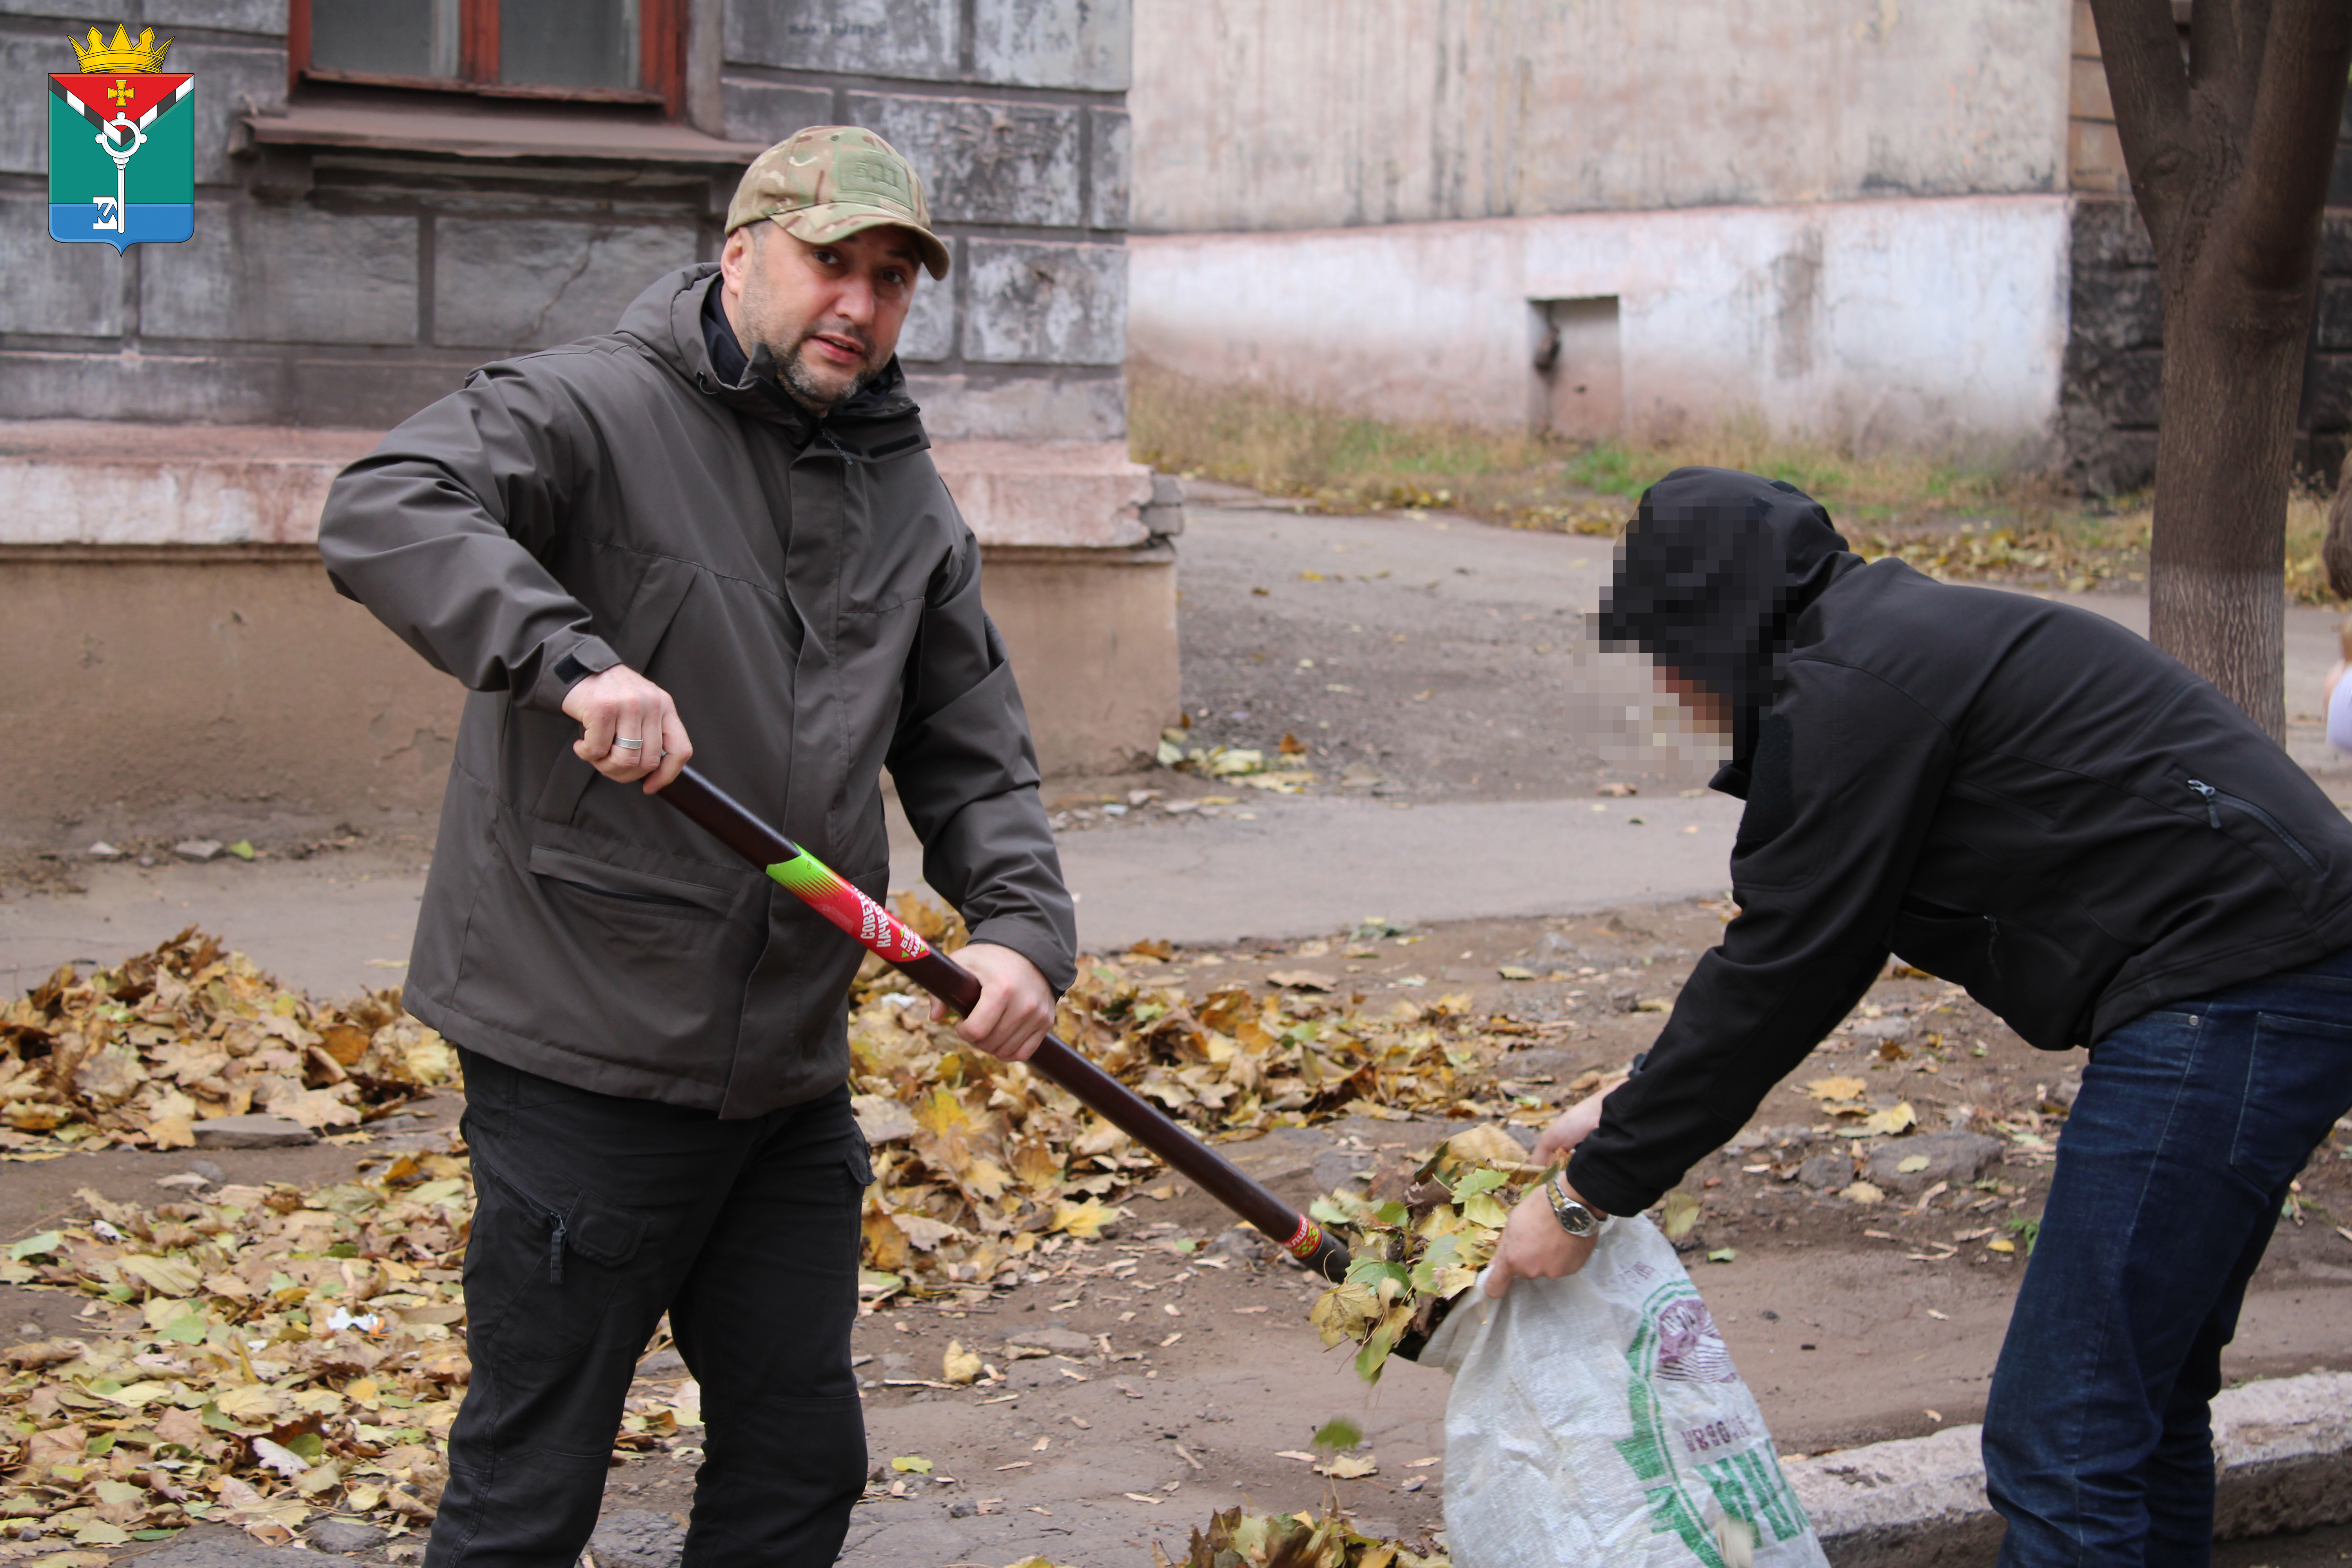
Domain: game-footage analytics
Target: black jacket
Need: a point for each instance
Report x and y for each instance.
(2015, 795)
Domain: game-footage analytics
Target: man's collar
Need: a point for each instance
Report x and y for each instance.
(736, 370)
(718, 336)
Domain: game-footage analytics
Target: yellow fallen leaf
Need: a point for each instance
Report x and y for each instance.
(2004, 1245)
(911, 1464)
(165, 1276)
(960, 1365)
(1887, 1123)
(1863, 1193)
(1678, 1214)
(1349, 1467)
(1487, 1144)
(924, 1233)
(1827, 1089)
(247, 1402)
(1085, 1220)
(1911, 1163)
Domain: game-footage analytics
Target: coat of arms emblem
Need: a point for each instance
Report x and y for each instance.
(122, 145)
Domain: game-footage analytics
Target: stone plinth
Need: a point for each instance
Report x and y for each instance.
(165, 620)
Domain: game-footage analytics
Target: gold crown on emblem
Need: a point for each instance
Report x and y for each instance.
(121, 57)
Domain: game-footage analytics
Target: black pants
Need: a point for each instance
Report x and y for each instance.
(594, 1216)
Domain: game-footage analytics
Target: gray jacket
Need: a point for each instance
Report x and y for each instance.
(810, 598)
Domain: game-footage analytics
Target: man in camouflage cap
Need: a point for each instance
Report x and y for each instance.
(832, 188)
(722, 515)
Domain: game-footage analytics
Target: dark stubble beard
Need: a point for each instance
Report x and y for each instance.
(786, 363)
(798, 380)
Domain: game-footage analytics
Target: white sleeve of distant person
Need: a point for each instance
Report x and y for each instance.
(2340, 714)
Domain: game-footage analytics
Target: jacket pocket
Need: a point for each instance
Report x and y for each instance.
(2216, 803)
(608, 952)
(2038, 986)
(601, 879)
(542, 1267)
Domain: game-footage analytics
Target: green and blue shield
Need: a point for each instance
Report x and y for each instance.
(122, 158)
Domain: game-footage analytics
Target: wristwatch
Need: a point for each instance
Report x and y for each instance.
(1573, 1216)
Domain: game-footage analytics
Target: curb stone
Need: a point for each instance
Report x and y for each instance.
(2284, 1446)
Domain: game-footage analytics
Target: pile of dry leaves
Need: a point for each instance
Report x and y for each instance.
(1239, 1539)
(258, 1356)
(1421, 1246)
(978, 1163)
(138, 1054)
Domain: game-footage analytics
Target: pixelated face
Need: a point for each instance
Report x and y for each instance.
(1703, 709)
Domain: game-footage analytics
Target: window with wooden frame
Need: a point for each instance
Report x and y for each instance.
(606, 51)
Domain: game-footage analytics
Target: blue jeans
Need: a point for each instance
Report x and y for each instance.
(2192, 1121)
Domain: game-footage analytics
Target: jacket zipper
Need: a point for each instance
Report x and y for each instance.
(2215, 800)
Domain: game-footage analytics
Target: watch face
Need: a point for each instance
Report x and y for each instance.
(1573, 1216)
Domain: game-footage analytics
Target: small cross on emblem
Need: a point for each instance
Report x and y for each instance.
(121, 92)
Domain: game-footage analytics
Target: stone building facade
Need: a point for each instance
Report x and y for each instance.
(380, 209)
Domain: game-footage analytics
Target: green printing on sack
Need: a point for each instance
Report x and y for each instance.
(1670, 1509)
(1747, 1486)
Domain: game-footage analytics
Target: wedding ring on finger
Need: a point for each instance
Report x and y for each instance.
(629, 746)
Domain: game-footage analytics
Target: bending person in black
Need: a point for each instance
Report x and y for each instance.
(2028, 800)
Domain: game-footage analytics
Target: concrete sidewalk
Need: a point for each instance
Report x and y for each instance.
(1310, 866)
(1304, 866)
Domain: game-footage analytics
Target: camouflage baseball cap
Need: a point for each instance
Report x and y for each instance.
(828, 182)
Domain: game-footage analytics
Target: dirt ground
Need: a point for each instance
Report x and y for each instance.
(1168, 1371)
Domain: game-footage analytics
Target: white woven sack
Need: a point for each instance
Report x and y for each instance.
(1598, 1419)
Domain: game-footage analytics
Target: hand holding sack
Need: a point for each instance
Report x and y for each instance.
(1597, 1419)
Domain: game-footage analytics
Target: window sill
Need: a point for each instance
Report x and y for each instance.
(491, 132)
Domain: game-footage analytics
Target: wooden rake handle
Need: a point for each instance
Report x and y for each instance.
(726, 820)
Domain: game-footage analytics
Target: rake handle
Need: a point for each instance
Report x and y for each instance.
(728, 821)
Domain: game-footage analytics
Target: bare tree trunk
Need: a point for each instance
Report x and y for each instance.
(2230, 155)
(2224, 459)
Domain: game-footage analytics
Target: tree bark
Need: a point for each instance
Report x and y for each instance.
(2230, 156)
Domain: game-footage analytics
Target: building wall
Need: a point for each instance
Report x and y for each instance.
(343, 275)
(1938, 322)
(1014, 112)
(2114, 349)
(1309, 114)
(349, 286)
(226, 691)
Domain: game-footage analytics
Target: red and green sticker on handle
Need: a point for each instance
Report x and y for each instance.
(822, 888)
